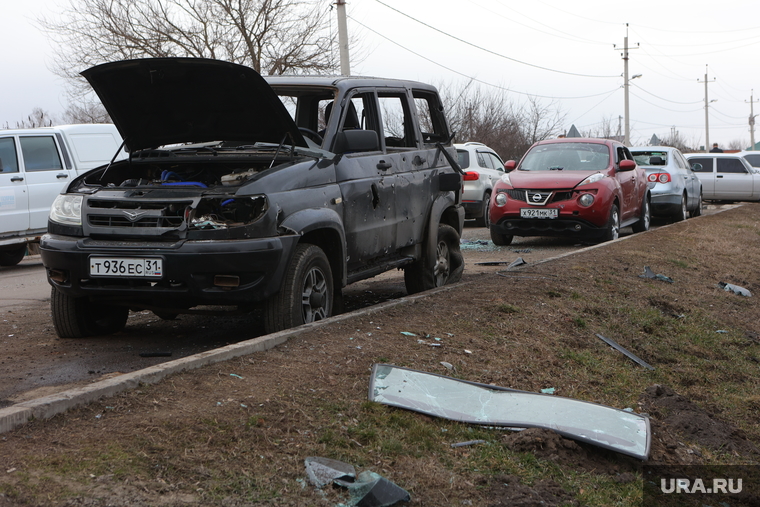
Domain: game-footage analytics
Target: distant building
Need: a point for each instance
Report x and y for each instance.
(655, 141)
(573, 132)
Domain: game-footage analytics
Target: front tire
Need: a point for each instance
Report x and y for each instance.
(501, 239)
(13, 256)
(612, 231)
(441, 263)
(78, 317)
(307, 291)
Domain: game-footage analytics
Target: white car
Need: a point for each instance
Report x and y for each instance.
(677, 190)
(35, 164)
(753, 157)
(725, 176)
(483, 168)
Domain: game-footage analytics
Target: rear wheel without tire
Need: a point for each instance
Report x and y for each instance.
(79, 317)
(643, 224)
(12, 256)
(441, 263)
(306, 294)
(698, 210)
(612, 230)
(484, 221)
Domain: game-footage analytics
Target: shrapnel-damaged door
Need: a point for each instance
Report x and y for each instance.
(367, 184)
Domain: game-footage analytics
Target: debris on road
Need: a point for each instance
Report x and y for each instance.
(323, 471)
(469, 442)
(548, 390)
(615, 345)
(648, 273)
(517, 262)
(368, 489)
(488, 405)
(729, 287)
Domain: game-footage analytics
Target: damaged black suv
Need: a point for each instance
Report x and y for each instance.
(242, 192)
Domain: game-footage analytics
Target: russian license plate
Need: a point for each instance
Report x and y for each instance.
(539, 212)
(127, 267)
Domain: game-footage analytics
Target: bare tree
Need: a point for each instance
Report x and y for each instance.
(38, 118)
(541, 121)
(272, 36)
(737, 144)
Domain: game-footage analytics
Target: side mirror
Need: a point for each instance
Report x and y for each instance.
(510, 165)
(356, 140)
(627, 165)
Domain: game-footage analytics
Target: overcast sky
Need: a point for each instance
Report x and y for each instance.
(566, 51)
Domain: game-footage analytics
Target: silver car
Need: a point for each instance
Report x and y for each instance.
(677, 191)
(726, 176)
(483, 168)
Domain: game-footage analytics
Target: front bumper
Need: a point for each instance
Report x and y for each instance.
(190, 269)
(559, 227)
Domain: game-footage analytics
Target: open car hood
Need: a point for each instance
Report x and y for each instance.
(161, 101)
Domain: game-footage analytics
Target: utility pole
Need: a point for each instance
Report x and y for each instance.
(345, 68)
(707, 116)
(752, 121)
(627, 138)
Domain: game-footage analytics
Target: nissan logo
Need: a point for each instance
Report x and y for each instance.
(536, 197)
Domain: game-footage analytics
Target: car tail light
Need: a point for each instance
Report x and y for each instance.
(471, 176)
(659, 178)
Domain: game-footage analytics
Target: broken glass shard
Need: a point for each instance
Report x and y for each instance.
(373, 490)
(323, 471)
(648, 273)
(488, 405)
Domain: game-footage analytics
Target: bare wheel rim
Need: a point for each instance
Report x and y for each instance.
(314, 297)
(647, 215)
(615, 226)
(441, 269)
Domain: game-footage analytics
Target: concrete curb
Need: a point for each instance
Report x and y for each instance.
(44, 408)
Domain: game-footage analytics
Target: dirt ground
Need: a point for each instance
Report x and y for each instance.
(237, 433)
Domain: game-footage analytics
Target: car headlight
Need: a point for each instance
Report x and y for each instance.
(586, 200)
(501, 199)
(592, 179)
(67, 209)
(505, 179)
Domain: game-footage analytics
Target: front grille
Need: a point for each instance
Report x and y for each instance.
(120, 221)
(545, 196)
(125, 214)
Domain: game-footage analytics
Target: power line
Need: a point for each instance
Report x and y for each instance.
(470, 77)
(487, 50)
(666, 100)
(665, 108)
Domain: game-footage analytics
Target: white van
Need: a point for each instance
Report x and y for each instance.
(35, 164)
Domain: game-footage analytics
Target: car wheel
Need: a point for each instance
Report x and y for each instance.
(646, 217)
(484, 220)
(698, 210)
(683, 212)
(501, 239)
(306, 294)
(612, 231)
(78, 317)
(12, 256)
(441, 263)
